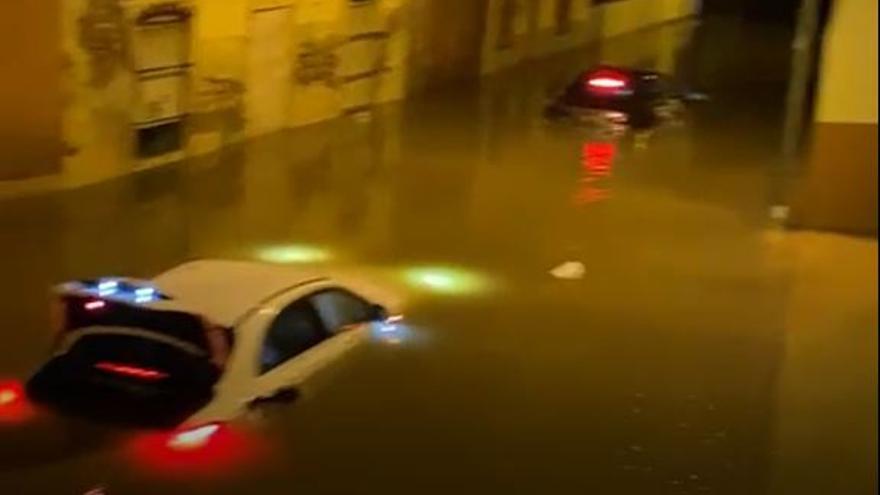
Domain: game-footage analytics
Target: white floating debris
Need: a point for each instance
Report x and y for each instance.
(570, 270)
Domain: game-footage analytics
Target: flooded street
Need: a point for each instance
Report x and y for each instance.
(700, 348)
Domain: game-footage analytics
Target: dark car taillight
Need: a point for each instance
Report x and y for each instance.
(607, 82)
(10, 393)
(131, 371)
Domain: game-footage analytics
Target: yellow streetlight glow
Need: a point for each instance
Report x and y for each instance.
(293, 253)
(445, 280)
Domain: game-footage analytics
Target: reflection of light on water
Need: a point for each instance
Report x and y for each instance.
(293, 253)
(391, 331)
(399, 333)
(226, 453)
(445, 280)
(597, 159)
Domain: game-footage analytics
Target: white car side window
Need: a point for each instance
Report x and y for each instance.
(339, 309)
(295, 330)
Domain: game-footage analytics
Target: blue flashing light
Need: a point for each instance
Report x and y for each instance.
(123, 291)
(145, 292)
(107, 287)
(143, 295)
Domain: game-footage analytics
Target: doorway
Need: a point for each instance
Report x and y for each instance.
(269, 67)
(563, 17)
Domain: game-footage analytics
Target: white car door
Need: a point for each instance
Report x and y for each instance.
(311, 328)
(324, 323)
(255, 374)
(329, 322)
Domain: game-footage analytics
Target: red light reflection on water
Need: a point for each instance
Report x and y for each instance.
(597, 159)
(228, 452)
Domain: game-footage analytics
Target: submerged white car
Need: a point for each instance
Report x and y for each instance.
(203, 342)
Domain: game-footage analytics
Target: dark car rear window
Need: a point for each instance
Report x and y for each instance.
(175, 324)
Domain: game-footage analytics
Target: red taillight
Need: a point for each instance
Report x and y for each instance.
(131, 371)
(10, 393)
(193, 438)
(607, 81)
(14, 404)
(94, 305)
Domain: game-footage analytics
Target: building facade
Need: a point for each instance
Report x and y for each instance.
(125, 85)
(838, 187)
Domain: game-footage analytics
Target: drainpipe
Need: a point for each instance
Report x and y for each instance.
(803, 61)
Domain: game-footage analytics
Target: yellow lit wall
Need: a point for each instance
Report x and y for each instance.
(221, 19)
(321, 22)
(537, 34)
(629, 15)
(336, 24)
(219, 33)
(30, 92)
(848, 87)
(838, 190)
(227, 95)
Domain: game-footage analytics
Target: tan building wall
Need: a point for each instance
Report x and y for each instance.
(444, 51)
(30, 96)
(839, 189)
(829, 372)
(141, 94)
(517, 30)
(256, 67)
(849, 65)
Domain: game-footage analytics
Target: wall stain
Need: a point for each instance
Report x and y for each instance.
(218, 106)
(317, 62)
(102, 34)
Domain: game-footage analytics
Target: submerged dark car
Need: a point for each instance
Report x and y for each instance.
(635, 97)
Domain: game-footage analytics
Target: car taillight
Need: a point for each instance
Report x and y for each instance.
(14, 404)
(193, 438)
(137, 372)
(10, 393)
(94, 304)
(607, 81)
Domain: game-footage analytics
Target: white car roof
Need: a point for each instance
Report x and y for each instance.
(224, 291)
